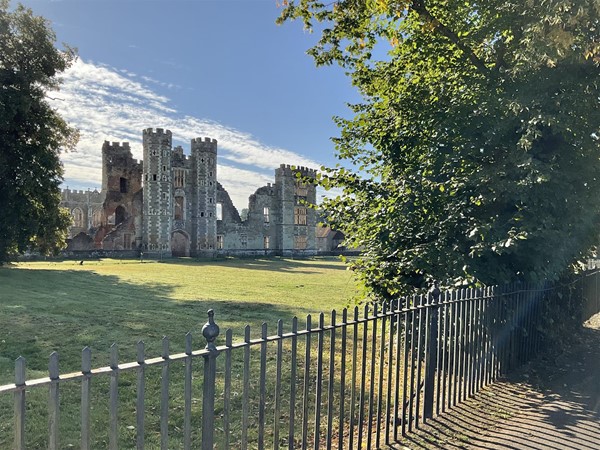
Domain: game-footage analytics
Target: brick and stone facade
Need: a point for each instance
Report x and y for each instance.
(171, 204)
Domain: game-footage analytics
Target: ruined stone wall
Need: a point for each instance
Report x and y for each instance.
(121, 183)
(86, 209)
(180, 209)
(298, 222)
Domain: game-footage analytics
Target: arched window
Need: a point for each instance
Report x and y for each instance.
(77, 214)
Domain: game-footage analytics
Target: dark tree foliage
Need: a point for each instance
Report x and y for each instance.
(475, 152)
(31, 135)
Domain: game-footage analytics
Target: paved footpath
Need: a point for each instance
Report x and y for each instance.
(552, 405)
(565, 412)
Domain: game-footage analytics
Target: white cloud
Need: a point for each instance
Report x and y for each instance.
(110, 104)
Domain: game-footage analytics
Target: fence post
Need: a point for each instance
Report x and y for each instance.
(210, 331)
(431, 351)
(20, 403)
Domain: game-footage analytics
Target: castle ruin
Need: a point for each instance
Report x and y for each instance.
(171, 204)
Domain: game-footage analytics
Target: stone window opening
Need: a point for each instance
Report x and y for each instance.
(77, 214)
(201, 213)
(301, 189)
(96, 218)
(164, 168)
(266, 214)
(300, 216)
(153, 177)
(120, 215)
(210, 199)
(300, 242)
(219, 242)
(179, 180)
(210, 174)
(123, 185)
(179, 208)
(219, 211)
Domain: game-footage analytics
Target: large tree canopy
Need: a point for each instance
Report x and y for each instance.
(31, 135)
(475, 153)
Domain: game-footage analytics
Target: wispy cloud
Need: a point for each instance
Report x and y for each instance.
(116, 105)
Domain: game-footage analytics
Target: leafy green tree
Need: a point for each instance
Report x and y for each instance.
(32, 135)
(474, 155)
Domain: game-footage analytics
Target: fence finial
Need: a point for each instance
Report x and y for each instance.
(434, 292)
(210, 331)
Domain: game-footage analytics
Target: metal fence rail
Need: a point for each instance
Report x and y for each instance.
(359, 379)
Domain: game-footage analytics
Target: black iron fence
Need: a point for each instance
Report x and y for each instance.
(359, 379)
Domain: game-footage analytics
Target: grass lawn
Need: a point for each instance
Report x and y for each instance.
(64, 306)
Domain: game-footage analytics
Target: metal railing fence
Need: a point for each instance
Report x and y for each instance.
(361, 379)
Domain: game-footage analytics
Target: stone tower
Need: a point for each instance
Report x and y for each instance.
(204, 216)
(158, 191)
(296, 231)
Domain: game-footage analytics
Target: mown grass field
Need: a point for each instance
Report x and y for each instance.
(64, 306)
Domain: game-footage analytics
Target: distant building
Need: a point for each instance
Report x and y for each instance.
(329, 240)
(171, 204)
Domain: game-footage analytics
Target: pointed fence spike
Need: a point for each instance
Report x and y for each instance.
(280, 327)
(188, 343)
(308, 322)
(141, 352)
(228, 337)
(86, 360)
(333, 313)
(114, 356)
(20, 371)
(264, 331)
(321, 321)
(247, 333)
(165, 347)
(53, 366)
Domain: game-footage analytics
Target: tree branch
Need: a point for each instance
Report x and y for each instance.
(420, 8)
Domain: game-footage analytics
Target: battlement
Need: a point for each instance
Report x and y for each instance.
(157, 132)
(116, 146)
(290, 170)
(80, 195)
(199, 140)
(206, 145)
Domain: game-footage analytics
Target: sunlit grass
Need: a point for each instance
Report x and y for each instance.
(64, 306)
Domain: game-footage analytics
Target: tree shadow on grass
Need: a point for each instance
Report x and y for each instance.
(275, 264)
(65, 310)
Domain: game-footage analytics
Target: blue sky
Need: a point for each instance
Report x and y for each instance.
(217, 68)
